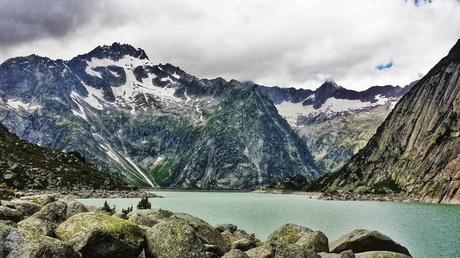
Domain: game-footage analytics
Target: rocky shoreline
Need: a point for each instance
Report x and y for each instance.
(346, 196)
(60, 226)
(84, 194)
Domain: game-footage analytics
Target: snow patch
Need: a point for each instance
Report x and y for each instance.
(18, 104)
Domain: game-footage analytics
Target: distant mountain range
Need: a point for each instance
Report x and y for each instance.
(334, 122)
(417, 149)
(155, 124)
(159, 126)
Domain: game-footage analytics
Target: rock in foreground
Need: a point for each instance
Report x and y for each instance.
(362, 240)
(20, 243)
(304, 237)
(96, 234)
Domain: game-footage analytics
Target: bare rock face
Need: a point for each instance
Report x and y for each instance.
(417, 149)
(362, 240)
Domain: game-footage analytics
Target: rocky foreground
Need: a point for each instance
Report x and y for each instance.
(47, 226)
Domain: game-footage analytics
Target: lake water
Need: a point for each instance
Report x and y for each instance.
(427, 230)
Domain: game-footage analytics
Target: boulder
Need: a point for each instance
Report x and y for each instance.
(10, 214)
(149, 218)
(173, 238)
(263, 251)
(244, 244)
(226, 227)
(41, 199)
(9, 223)
(294, 251)
(25, 207)
(237, 235)
(74, 207)
(235, 253)
(45, 221)
(96, 234)
(362, 240)
(18, 243)
(206, 232)
(287, 234)
(381, 254)
(344, 254)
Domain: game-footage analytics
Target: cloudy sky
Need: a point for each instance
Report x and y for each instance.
(300, 43)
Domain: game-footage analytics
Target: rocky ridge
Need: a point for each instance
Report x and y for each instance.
(66, 228)
(417, 149)
(27, 166)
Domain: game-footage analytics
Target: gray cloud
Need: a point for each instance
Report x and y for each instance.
(270, 42)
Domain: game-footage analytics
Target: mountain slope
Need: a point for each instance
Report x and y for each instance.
(155, 124)
(334, 122)
(26, 166)
(417, 148)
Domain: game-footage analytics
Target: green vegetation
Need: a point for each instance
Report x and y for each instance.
(127, 210)
(106, 208)
(144, 204)
(160, 173)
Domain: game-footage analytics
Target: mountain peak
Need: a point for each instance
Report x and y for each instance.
(116, 51)
(329, 85)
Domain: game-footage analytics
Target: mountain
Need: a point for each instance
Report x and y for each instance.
(155, 124)
(334, 122)
(417, 149)
(26, 166)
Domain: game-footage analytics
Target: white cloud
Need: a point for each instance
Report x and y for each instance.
(296, 43)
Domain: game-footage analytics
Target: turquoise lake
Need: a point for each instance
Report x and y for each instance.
(427, 230)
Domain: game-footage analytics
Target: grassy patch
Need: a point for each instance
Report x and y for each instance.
(160, 173)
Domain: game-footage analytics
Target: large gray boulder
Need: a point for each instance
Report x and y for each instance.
(19, 243)
(27, 208)
(174, 238)
(362, 240)
(206, 232)
(311, 240)
(96, 234)
(381, 254)
(149, 218)
(45, 221)
(10, 214)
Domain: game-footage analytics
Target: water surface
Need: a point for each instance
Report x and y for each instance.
(427, 230)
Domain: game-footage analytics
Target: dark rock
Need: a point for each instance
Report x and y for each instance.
(381, 254)
(224, 227)
(10, 214)
(362, 240)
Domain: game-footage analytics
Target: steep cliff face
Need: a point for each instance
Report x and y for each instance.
(417, 148)
(153, 123)
(26, 166)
